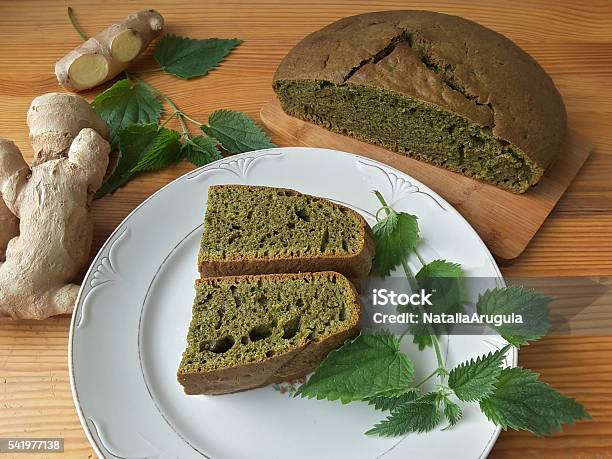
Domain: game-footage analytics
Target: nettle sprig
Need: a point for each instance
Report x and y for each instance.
(371, 368)
(133, 111)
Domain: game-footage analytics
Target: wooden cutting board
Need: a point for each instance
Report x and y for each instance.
(505, 221)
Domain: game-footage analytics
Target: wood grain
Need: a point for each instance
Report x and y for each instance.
(505, 221)
(571, 39)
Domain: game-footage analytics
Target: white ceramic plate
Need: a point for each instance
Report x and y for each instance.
(129, 327)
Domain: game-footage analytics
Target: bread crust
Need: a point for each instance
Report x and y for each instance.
(354, 266)
(291, 365)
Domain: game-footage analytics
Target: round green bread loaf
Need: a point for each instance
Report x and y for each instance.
(435, 87)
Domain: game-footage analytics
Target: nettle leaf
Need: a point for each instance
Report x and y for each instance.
(396, 237)
(420, 415)
(201, 150)
(189, 58)
(142, 147)
(236, 132)
(439, 268)
(522, 402)
(475, 379)
(421, 337)
(444, 281)
(366, 367)
(133, 141)
(126, 103)
(383, 403)
(164, 150)
(452, 412)
(531, 305)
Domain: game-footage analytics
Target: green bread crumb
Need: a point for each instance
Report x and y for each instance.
(405, 125)
(249, 320)
(252, 222)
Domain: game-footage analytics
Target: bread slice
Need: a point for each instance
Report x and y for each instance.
(258, 230)
(250, 331)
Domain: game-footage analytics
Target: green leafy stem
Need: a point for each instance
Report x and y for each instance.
(371, 368)
(411, 221)
(133, 111)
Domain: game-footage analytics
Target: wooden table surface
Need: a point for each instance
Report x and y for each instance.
(572, 40)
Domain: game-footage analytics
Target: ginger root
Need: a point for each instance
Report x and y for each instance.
(9, 228)
(55, 119)
(52, 203)
(9, 224)
(104, 56)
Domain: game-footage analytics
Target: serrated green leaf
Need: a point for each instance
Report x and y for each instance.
(165, 149)
(522, 402)
(452, 412)
(444, 281)
(392, 392)
(236, 132)
(201, 150)
(383, 403)
(439, 268)
(133, 142)
(368, 366)
(421, 337)
(475, 379)
(529, 304)
(396, 237)
(142, 147)
(126, 103)
(189, 58)
(420, 415)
